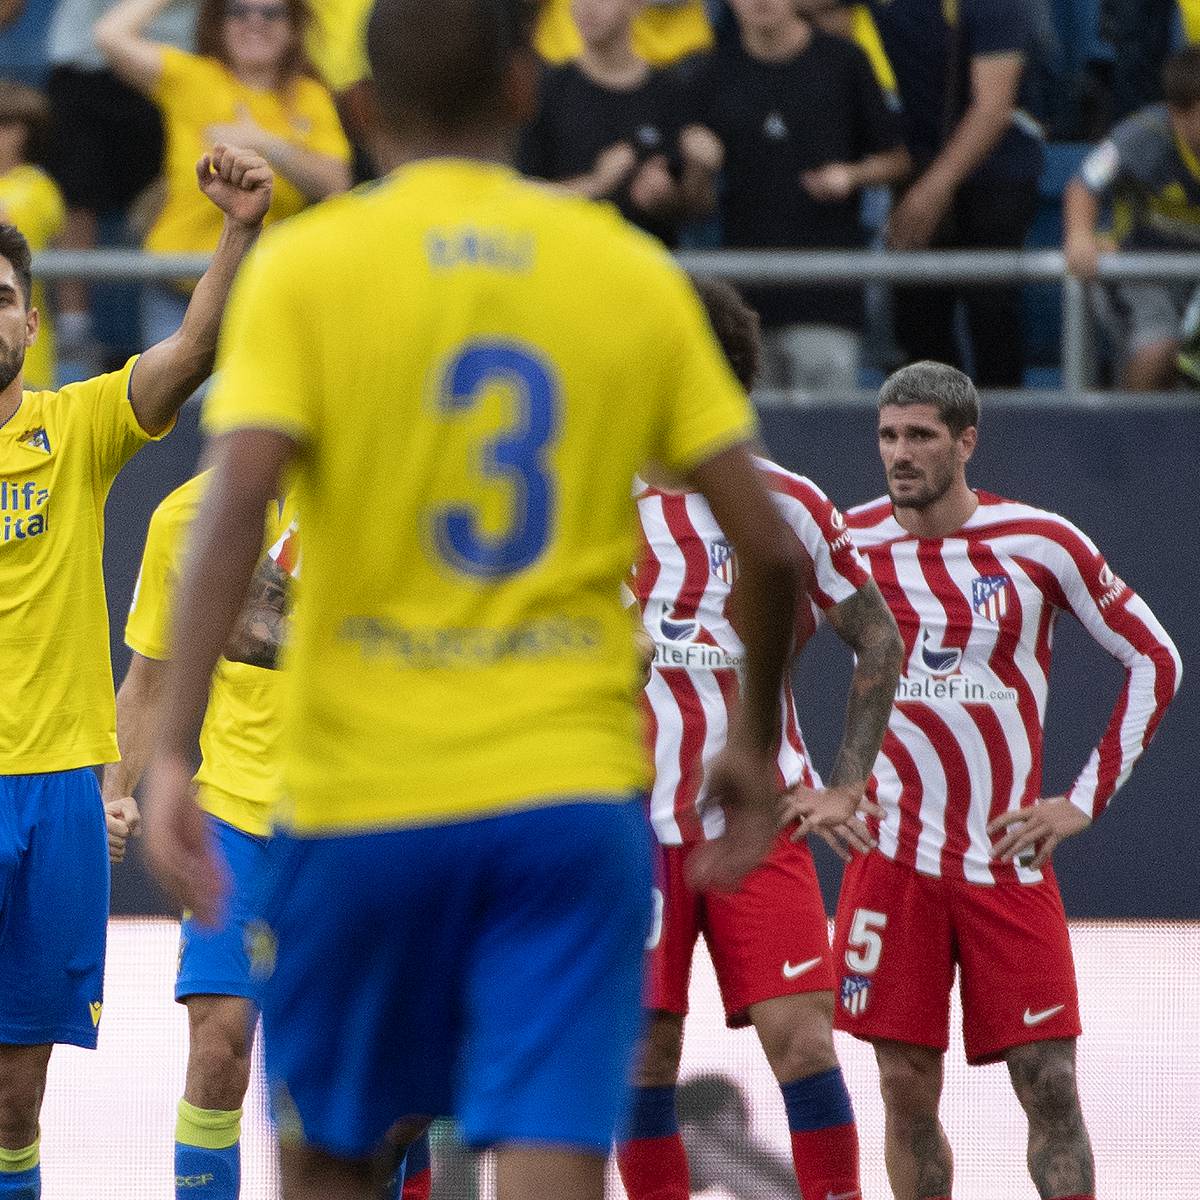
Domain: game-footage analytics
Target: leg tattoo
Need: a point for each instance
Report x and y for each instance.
(1060, 1154)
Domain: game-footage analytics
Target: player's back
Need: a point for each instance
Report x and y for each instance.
(483, 366)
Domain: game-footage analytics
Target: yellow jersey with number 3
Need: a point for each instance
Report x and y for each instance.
(239, 769)
(59, 454)
(473, 368)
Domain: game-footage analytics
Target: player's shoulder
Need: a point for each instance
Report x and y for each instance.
(790, 486)
(72, 397)
(1043, 530)
(177, 510)
(874, 521)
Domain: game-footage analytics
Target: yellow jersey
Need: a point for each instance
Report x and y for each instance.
(194, 93)
(239, 769)
(662, 33)
(472, 387)
(59, 454)
(30, 200)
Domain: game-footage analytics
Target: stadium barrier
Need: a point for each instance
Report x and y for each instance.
(780, 268)
(108, 1122)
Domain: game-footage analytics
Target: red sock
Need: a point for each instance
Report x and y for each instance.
(654, 1168)
(418, 1186)
(826, 1163)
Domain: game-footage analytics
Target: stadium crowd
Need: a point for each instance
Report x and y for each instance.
(417, 844)
(804, 124)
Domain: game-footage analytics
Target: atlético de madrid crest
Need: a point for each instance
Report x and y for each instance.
(989, 596)
(856, 991)
(723, 561)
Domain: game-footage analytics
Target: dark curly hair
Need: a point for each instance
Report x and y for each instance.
(736, 325)
(15, 248)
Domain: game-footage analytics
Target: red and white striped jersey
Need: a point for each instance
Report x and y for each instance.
(286, 551)
(684, 584)
(977, 612)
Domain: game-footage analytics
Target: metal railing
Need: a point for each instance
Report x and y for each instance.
(778, 268)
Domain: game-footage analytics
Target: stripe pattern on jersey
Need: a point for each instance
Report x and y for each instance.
(977, 613)
(685, 587)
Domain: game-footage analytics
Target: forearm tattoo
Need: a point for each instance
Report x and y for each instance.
(263, 624)
(864, 623)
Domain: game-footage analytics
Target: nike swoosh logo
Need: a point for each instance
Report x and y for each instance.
(1037, 1018)
(790, 972)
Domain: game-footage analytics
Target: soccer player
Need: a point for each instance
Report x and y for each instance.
(770, 939)
(464, 371)
(59, 454)
(962, 874)
(238, 784)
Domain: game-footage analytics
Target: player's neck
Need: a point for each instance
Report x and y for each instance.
(613, 64)
(494, 145)
(10, 400)
(776, 44)
(945, 516)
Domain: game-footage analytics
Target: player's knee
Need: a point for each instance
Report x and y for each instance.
(796, 1033)
(910, 1079)
(660, 1051)
(1044, 1077)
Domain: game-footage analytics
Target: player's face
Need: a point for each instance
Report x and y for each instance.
(602, 21)
(18, 325)
(921, 457)
(258, 33)
(764, 14)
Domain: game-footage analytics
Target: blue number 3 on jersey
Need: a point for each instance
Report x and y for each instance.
(518, 455)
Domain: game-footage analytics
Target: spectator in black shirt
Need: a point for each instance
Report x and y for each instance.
(611, 127)
(805, 128)
(978, 155)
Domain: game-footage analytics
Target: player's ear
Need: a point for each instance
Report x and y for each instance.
(967, 441)
(32, 324)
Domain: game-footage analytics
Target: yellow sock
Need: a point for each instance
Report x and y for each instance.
(13, 1162)
(208, 1128)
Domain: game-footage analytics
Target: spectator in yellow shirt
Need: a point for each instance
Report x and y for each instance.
(248, 85)
(30, 200)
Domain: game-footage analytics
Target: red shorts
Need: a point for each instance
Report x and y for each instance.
(900, 934)
(770, 938)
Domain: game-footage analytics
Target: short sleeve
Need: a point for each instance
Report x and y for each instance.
(998, 26)
(705, 410)
(325, 134)
(265, 377)
(148, 626)
(838, 569)
(102, 408)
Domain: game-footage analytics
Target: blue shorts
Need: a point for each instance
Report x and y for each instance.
(487, 970)
(217, 962)
(54, 879)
